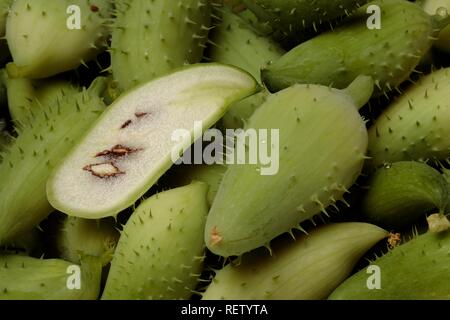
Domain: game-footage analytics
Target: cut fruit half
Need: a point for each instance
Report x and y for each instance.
(131, 146)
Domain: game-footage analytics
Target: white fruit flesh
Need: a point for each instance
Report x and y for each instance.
(131, 145)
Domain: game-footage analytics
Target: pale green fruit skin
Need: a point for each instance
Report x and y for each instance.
(29, 160)
(323, 142)
(416, 270)
(289, 18)
(308, 268)
(336, 58)
(242, 111)
(237, 43)
(430, 6)
(160, 251)
(399, 194)
(25, 278)
(80, 237)
(210, 174)
(26, 96)
(41, 43)
(151, 38)
(415, 126)
(4, 7)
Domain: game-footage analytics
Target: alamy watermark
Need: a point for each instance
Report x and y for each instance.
(260, 147)
(374, 21)
(74, 279)
(374, 280)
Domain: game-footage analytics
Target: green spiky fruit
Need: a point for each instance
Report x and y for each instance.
(25, 278)
(237, 43)
(415, 126)
(46, 38)
(241, 111)
(210, 174)
(416, 270)
(336, 58)
(20, 95)
(401, 193)
(160, 252)
(304, 269)
(26, 96)
(322, 145)
(80, 237)
(39, 147)
(151, 38)
(4, 7)
(135, 142)
(289, 18)
(431, 6)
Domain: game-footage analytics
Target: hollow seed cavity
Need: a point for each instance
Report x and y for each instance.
(104, 170)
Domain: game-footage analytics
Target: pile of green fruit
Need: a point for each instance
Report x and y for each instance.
(93, 205)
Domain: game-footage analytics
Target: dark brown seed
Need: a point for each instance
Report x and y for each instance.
(126, 124)
(117, 151)
(140, 114)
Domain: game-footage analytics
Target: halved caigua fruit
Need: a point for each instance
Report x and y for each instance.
(131, 146)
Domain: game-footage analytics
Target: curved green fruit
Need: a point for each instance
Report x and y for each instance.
(288, 18)
(4, 7)
(132, 144)
(26, 96)
(49, 37)
(415, 126)
(80, 237)
(237, 43)
(401, 193)
(151, 38)
(416, 270)
(304, 269)
(25, 278)
(210, 174)
(39, 147)
(160, 252)
(241, 111)
(322, 145)
(20, 96)
(431, 6)
(336, 58)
